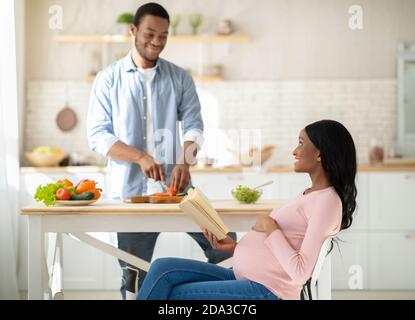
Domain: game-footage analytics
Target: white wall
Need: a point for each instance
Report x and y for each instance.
(303, 63)
(278, 108)
(291, 39)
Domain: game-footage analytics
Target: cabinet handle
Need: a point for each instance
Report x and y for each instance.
(410, 236)
(410, 177)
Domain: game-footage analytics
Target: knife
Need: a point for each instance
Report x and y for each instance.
(164, 186)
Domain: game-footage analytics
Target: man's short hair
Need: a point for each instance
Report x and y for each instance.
(153, 9)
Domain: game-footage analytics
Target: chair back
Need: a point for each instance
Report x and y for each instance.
(318, 287)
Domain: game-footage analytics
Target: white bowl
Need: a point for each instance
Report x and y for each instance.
(44, 159)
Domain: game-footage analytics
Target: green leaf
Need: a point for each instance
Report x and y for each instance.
(47, 193)
(246, 195)
(125, 18)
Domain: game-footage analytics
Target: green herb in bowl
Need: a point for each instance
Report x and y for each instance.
(246, 195)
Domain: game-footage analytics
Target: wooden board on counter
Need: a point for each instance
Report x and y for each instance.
(154, 199)
(361, 168)
(399, 161)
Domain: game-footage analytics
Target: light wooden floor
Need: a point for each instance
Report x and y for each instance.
(337, 295)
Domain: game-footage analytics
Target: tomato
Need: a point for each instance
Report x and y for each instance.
(63, 194)
(85, 186)
(171, 191)
(96, 192)
(66, 182)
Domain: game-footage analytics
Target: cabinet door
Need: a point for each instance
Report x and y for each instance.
(392, 260)
(83, 267)
(218, 186)
(293, 184)
(349, 261)
(391, 201)
(361, 214)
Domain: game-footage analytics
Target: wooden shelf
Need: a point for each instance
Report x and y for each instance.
(210, 38)
(119, 38)
(91, 78)
(207, 78)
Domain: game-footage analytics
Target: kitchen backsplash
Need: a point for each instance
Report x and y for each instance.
(278, 108)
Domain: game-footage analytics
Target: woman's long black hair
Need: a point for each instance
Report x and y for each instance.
(338, 159)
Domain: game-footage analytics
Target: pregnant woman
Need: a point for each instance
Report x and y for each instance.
(276, 258)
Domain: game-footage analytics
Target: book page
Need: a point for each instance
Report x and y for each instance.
(203, 200)
(201, 220)
(198, 207)
(210, 218)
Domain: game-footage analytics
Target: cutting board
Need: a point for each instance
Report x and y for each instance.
(155, 199)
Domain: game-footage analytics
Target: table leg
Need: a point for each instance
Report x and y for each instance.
(36, 258)
(58, 269)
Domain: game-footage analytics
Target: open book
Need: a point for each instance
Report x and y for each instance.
(198, 207)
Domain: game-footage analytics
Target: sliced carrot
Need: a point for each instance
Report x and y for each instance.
(171, 191)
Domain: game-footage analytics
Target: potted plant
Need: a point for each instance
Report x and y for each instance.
(175, 20)
(195, 20)
(125, 19)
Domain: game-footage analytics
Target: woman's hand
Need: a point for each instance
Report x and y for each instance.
(266, 225)
(225, 245)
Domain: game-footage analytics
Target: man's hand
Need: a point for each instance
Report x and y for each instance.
(266, 225)
(180, 177)
(151, 168)
(224, 245)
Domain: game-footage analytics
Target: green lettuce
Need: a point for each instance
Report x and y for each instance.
(47, 193)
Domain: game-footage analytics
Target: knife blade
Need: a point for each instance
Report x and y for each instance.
(164, 186)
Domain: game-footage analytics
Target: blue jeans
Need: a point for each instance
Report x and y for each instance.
(184, 279)
(141, 244)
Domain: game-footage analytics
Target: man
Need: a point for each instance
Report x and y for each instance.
(136, 104)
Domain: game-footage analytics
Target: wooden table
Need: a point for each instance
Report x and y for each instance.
(46, 270)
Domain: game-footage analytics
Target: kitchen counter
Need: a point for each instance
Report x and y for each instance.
(362, 168)
(235, 169)
(118, 207)
(70, 169)
(102, 169)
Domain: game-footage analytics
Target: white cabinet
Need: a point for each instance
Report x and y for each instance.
(392, 230)
(218, 186)
(390, 200)
(293, 184)
(349, 260)
(392, 260)
(361, 214)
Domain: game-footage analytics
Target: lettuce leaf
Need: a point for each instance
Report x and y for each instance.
(47, 193)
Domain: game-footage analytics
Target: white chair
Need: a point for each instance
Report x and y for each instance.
(318, 287)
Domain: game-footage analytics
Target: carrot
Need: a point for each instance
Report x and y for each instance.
(171, 191)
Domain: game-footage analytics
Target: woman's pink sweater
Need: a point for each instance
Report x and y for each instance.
(284, 260)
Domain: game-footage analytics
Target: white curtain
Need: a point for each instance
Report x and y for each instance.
(9, 153)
